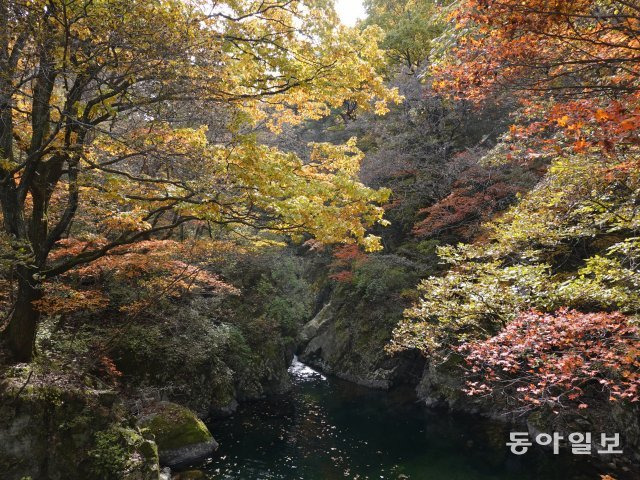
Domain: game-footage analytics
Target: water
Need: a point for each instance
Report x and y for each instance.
(327, 429)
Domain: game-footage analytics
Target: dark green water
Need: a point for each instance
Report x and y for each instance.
(327, 429)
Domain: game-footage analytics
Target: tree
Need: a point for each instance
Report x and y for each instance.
(572, 241)
(574, 66)
(558, 360)
(409, 26)
(478, 193)
(130, 119)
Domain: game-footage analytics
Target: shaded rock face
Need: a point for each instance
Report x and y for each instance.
(54, 433)
(181, 436)
(609, 419)
(199, 361)
(340, 340)
(348, 336)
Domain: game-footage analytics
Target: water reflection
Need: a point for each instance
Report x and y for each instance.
(326, 429)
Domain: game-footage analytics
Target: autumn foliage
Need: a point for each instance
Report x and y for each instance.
(477, 193)
(569, 245)
(130, 280)
(129, 121)
(574, 65)
(344, 259)
(560, 359)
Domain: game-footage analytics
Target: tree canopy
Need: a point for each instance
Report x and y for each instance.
(560, 267)
(125, 120)
(409, 26)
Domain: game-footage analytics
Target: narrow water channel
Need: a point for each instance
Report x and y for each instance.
(327, 429)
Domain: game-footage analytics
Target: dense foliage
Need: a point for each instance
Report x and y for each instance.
(409, 27)
(572, 240)
(558, 359)
(127, 121)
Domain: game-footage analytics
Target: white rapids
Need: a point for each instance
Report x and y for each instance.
(304, 372)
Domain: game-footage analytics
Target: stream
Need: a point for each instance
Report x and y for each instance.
(327, 429)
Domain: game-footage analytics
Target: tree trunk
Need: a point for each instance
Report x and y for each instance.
(20, 334)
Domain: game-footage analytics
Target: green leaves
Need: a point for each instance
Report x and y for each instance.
(409, 26)
(569, 242)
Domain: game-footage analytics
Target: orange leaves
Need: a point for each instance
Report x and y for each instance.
(629, 124)
(478, 193)
(580, 146)
(601, 115)
(348, 253)
(62, 299)
(558, 55)
(107, 369)
(130, 277)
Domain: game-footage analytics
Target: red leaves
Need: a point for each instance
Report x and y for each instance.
(554, 358)
(139, 274)
(345, 256)
(108, 370)
(344, 276)
(476, 195)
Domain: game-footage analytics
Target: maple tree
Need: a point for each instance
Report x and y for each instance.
(478, 192)
(130, 279)
(558, 359)
(568, 243)
(130, 119)
(574, 66)
(344, 259)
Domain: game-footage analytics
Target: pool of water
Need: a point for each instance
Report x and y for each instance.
(327, 429)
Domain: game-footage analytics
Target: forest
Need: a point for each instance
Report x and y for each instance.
(247, 240)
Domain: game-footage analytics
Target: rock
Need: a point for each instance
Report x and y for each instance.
(67, 432)
(223, 410)
(165, 474)
(347, 339)
(441, 385)
(315, 325)
(125, 454)
(181, 436)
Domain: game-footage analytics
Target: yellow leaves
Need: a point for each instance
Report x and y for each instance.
(147, 161)
(372, 243)
(132, 221)
(7, 165)
(326, 157)
(381, 108)
(563, 121)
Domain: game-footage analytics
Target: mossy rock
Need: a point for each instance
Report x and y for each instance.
(67, 432)
(123, 454)
(180, 435)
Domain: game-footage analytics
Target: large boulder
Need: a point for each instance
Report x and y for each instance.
(54, 429)
(182, 438)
